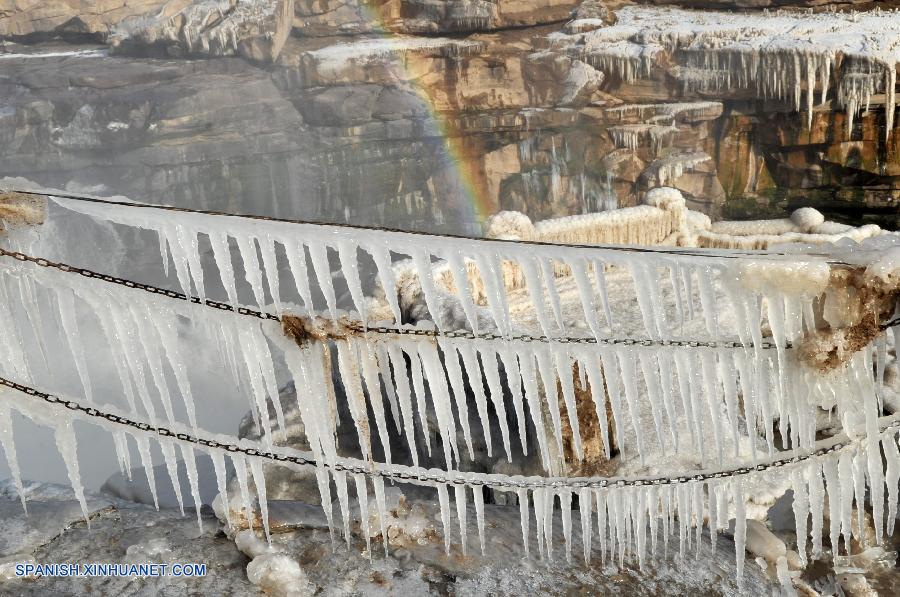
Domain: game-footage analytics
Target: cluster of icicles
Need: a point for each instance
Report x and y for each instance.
(149, 336)
(778, 55)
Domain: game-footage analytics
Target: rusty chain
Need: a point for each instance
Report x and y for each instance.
(408, 474)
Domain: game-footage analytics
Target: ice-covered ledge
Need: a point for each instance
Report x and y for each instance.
(781, 54)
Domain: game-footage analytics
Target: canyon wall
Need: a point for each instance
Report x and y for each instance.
(434, 115)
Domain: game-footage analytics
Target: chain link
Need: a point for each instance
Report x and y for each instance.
(404, 474)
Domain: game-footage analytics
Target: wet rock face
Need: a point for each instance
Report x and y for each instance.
(38, 18)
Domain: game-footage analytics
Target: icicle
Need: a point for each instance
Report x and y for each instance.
(247, 249)
(318, 253)
(547, 270)
(222, 257)
(740, 528)
(123, 458)
(459, 493)
(66, 444)
(422, 261)
(801, 511)
(816, 506)
(362, 498)
(534, 285)
(454, 372)
(613, 391)
(143, 444)
(373, 389)
(514, 382)
(444, 501)
(461, 280)
(478, 500)
(810, 91)
(190, 465)
(651, 379)
(179, 255)
(728, 376)
(348, 364)
(168, 451)
(142, 318)
(537, 497)
(248, 346)
(270, 266)
(564, 371)
(384, 368)
(404, 394)
(642, 291)
(586, 295)
(629, 377)
(845, 479)
(600, 278)
(296, 256)
(491, 275)
(708, 299)
(534, 407)
(890, 102)
(66, 300)
(859, 490)
(491, 374)
(218, 461)
(168, 337)
(7, 442)
(324, 484)
(584, 510)
(347, 251)
(259, 480)
(440, 396)
(598, 393)
(381, 504)
(600, 495)
(708, 369)
(240, 471)
(565, 507)
(549, 499)
(473, 374)
(383, 263)
(340, 482)
(832, 484)
(891, 478)
(523, 517)
(419, 387)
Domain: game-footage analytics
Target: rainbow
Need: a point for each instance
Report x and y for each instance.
(469, 176)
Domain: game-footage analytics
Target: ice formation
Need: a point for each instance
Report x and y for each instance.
(787, 55)
(730, 384)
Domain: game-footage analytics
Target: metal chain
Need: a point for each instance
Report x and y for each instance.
(401, 473)
(361, 328)
(733, 254)
(566, 339)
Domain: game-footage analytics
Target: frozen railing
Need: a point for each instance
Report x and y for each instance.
(519, 360)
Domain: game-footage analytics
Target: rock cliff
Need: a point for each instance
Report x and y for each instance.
(435, 115)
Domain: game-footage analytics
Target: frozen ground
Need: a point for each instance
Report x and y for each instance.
(128, 532)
